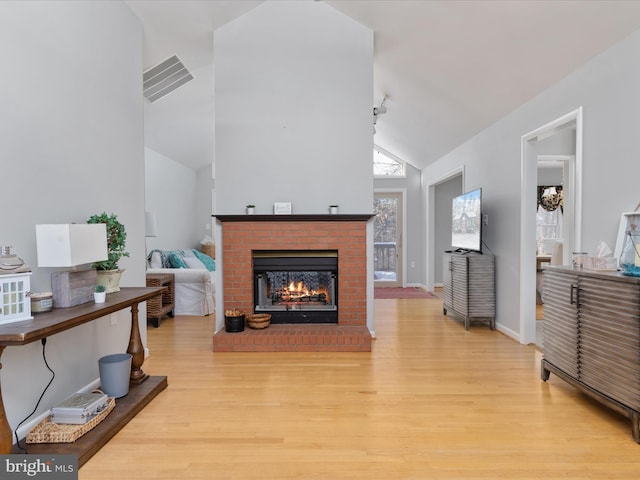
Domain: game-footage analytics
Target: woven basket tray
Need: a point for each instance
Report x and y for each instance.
(49, 432)
(258, 320)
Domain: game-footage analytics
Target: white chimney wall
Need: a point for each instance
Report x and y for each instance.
(294, 102)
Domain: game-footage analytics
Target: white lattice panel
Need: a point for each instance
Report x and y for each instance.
(15, 303)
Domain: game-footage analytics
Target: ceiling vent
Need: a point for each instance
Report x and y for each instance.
(164, 78)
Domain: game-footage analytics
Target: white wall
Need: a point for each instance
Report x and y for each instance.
(550, 176)
(560, 143)
(71, 145)
(444, 193)
(171, 192)
(293, 89)
(204, 210)
(607, 88)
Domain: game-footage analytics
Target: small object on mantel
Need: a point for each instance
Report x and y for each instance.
(282, 208)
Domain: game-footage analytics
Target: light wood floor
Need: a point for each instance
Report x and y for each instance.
(431, 401)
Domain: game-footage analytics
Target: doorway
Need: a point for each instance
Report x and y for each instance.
(554, 216)
(572, 227)
(438, 235)
(388, 208)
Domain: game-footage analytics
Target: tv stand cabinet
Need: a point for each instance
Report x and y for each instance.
(143, 388)
(469, 283)
(592, 336)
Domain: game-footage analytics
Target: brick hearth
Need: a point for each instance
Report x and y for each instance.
(295, 338)
(346, 234)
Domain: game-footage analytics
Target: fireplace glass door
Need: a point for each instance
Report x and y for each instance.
(296, 287)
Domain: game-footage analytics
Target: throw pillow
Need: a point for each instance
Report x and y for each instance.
(155, 260)
(176, 260)
(193, 262)
(164, 254)
(209, 262)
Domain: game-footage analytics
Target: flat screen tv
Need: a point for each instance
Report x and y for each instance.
(466, 222)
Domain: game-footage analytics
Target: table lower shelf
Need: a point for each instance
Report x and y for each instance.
(126, 408)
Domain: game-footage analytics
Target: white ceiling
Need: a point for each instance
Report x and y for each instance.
(450, 68)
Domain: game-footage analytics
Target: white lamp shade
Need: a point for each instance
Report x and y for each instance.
(150, 224)
(70, 245)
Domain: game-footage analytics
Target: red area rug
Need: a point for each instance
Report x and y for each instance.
(411, 292)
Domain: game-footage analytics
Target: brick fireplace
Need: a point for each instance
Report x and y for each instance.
(346, 234)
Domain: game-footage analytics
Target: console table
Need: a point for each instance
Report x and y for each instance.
(469, 281)
(143, 387)
(592, 336)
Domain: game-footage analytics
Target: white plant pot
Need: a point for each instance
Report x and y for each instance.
(99, 297)
(251, 210)
(110, 279)
(333, 210)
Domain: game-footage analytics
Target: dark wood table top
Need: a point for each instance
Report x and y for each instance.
(60, 319)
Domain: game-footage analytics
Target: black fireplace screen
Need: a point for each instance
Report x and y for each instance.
(296, 287)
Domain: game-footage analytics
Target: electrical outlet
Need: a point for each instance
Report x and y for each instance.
(485, 219)
(114, 318)
(413, 264)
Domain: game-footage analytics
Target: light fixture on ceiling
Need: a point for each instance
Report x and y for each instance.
(552, 197)
(379, 111)
(164, 78)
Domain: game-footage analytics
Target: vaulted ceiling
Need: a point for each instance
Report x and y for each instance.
(450, 68)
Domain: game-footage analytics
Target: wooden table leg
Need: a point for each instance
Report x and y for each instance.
(136, 349)
(6, 442)
(635, 426)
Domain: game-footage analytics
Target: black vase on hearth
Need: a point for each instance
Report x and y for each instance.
(234, 324)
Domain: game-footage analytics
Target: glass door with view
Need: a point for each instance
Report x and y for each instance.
(387, 243)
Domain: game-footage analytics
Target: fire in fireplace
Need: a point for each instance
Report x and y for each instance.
(296, 286)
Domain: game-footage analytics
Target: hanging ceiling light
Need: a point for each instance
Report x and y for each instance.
(379, 111)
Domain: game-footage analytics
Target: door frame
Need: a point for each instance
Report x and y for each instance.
(402, 261)
(528, 189)
(430, 233)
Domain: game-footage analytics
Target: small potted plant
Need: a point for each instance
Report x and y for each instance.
(108, 271)
(100, 294)
(333, 209)
(251, 209)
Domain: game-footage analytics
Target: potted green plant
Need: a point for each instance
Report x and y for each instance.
(100, 294)
(108, 270)
(251, 209)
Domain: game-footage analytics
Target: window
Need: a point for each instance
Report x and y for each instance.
(549, 217)
(548, 229)
(386, 165)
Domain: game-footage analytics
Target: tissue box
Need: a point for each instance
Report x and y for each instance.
(601, 263)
